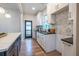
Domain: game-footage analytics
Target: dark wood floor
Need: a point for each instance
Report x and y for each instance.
(29, 47)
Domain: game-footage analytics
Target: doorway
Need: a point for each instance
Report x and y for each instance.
(28, 29)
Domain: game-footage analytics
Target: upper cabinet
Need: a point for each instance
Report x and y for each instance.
(52, 8)
(48, 15)
(71, 11)
(42, 17)
(61, 5)
(39, 18)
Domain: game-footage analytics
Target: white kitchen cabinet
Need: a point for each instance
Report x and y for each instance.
(33, 34)
(58, 43)
(50, 42)
(38, 37)
(51, 8)
(71, 12)
(47, 42)
(60, 6)
(42, 41)
(51, 19)
(67, 49)
(39, 18)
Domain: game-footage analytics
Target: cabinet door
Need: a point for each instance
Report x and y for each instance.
(43, 41)
(61, 5)
(67, 49)
(39, 18)
(37, 37)
(58, 43)
(50, 8)
(40, 38)
(51, 19)
(50, 42)
(71, 11)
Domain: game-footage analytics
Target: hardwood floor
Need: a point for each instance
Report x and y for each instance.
(30, 47)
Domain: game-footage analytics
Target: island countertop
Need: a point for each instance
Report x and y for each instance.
(7, 41)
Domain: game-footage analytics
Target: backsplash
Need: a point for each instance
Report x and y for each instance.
(64, 25)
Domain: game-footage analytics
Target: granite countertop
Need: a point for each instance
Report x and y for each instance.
(45, 33)
(68, 40)
(7, 41)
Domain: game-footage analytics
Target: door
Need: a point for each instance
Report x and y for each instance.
(28, 29)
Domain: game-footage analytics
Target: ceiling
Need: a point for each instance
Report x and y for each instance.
(27, 8)
(10, 6)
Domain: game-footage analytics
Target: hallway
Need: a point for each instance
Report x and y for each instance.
(29, 47)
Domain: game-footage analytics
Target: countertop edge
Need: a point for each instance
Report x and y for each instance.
(5, 49)
(67, 40)
(46, 33)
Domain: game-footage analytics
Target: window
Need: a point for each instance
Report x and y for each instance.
(45, 22)
(45, 19)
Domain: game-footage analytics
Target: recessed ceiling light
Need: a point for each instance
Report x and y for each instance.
(33, 8)
(2, 10)
(7, 15)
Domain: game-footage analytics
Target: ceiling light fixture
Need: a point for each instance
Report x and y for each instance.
(33, 8)
(7, 15)
(2, 10)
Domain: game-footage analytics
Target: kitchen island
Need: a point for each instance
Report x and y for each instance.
(10, 44)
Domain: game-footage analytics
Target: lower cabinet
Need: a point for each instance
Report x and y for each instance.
(58, 43)
(50, 42)
(14, 48)
(47, 42)
(67, 49)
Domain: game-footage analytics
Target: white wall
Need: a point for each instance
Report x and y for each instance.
(12, 24)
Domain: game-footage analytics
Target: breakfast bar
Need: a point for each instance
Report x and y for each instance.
(10, 44)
